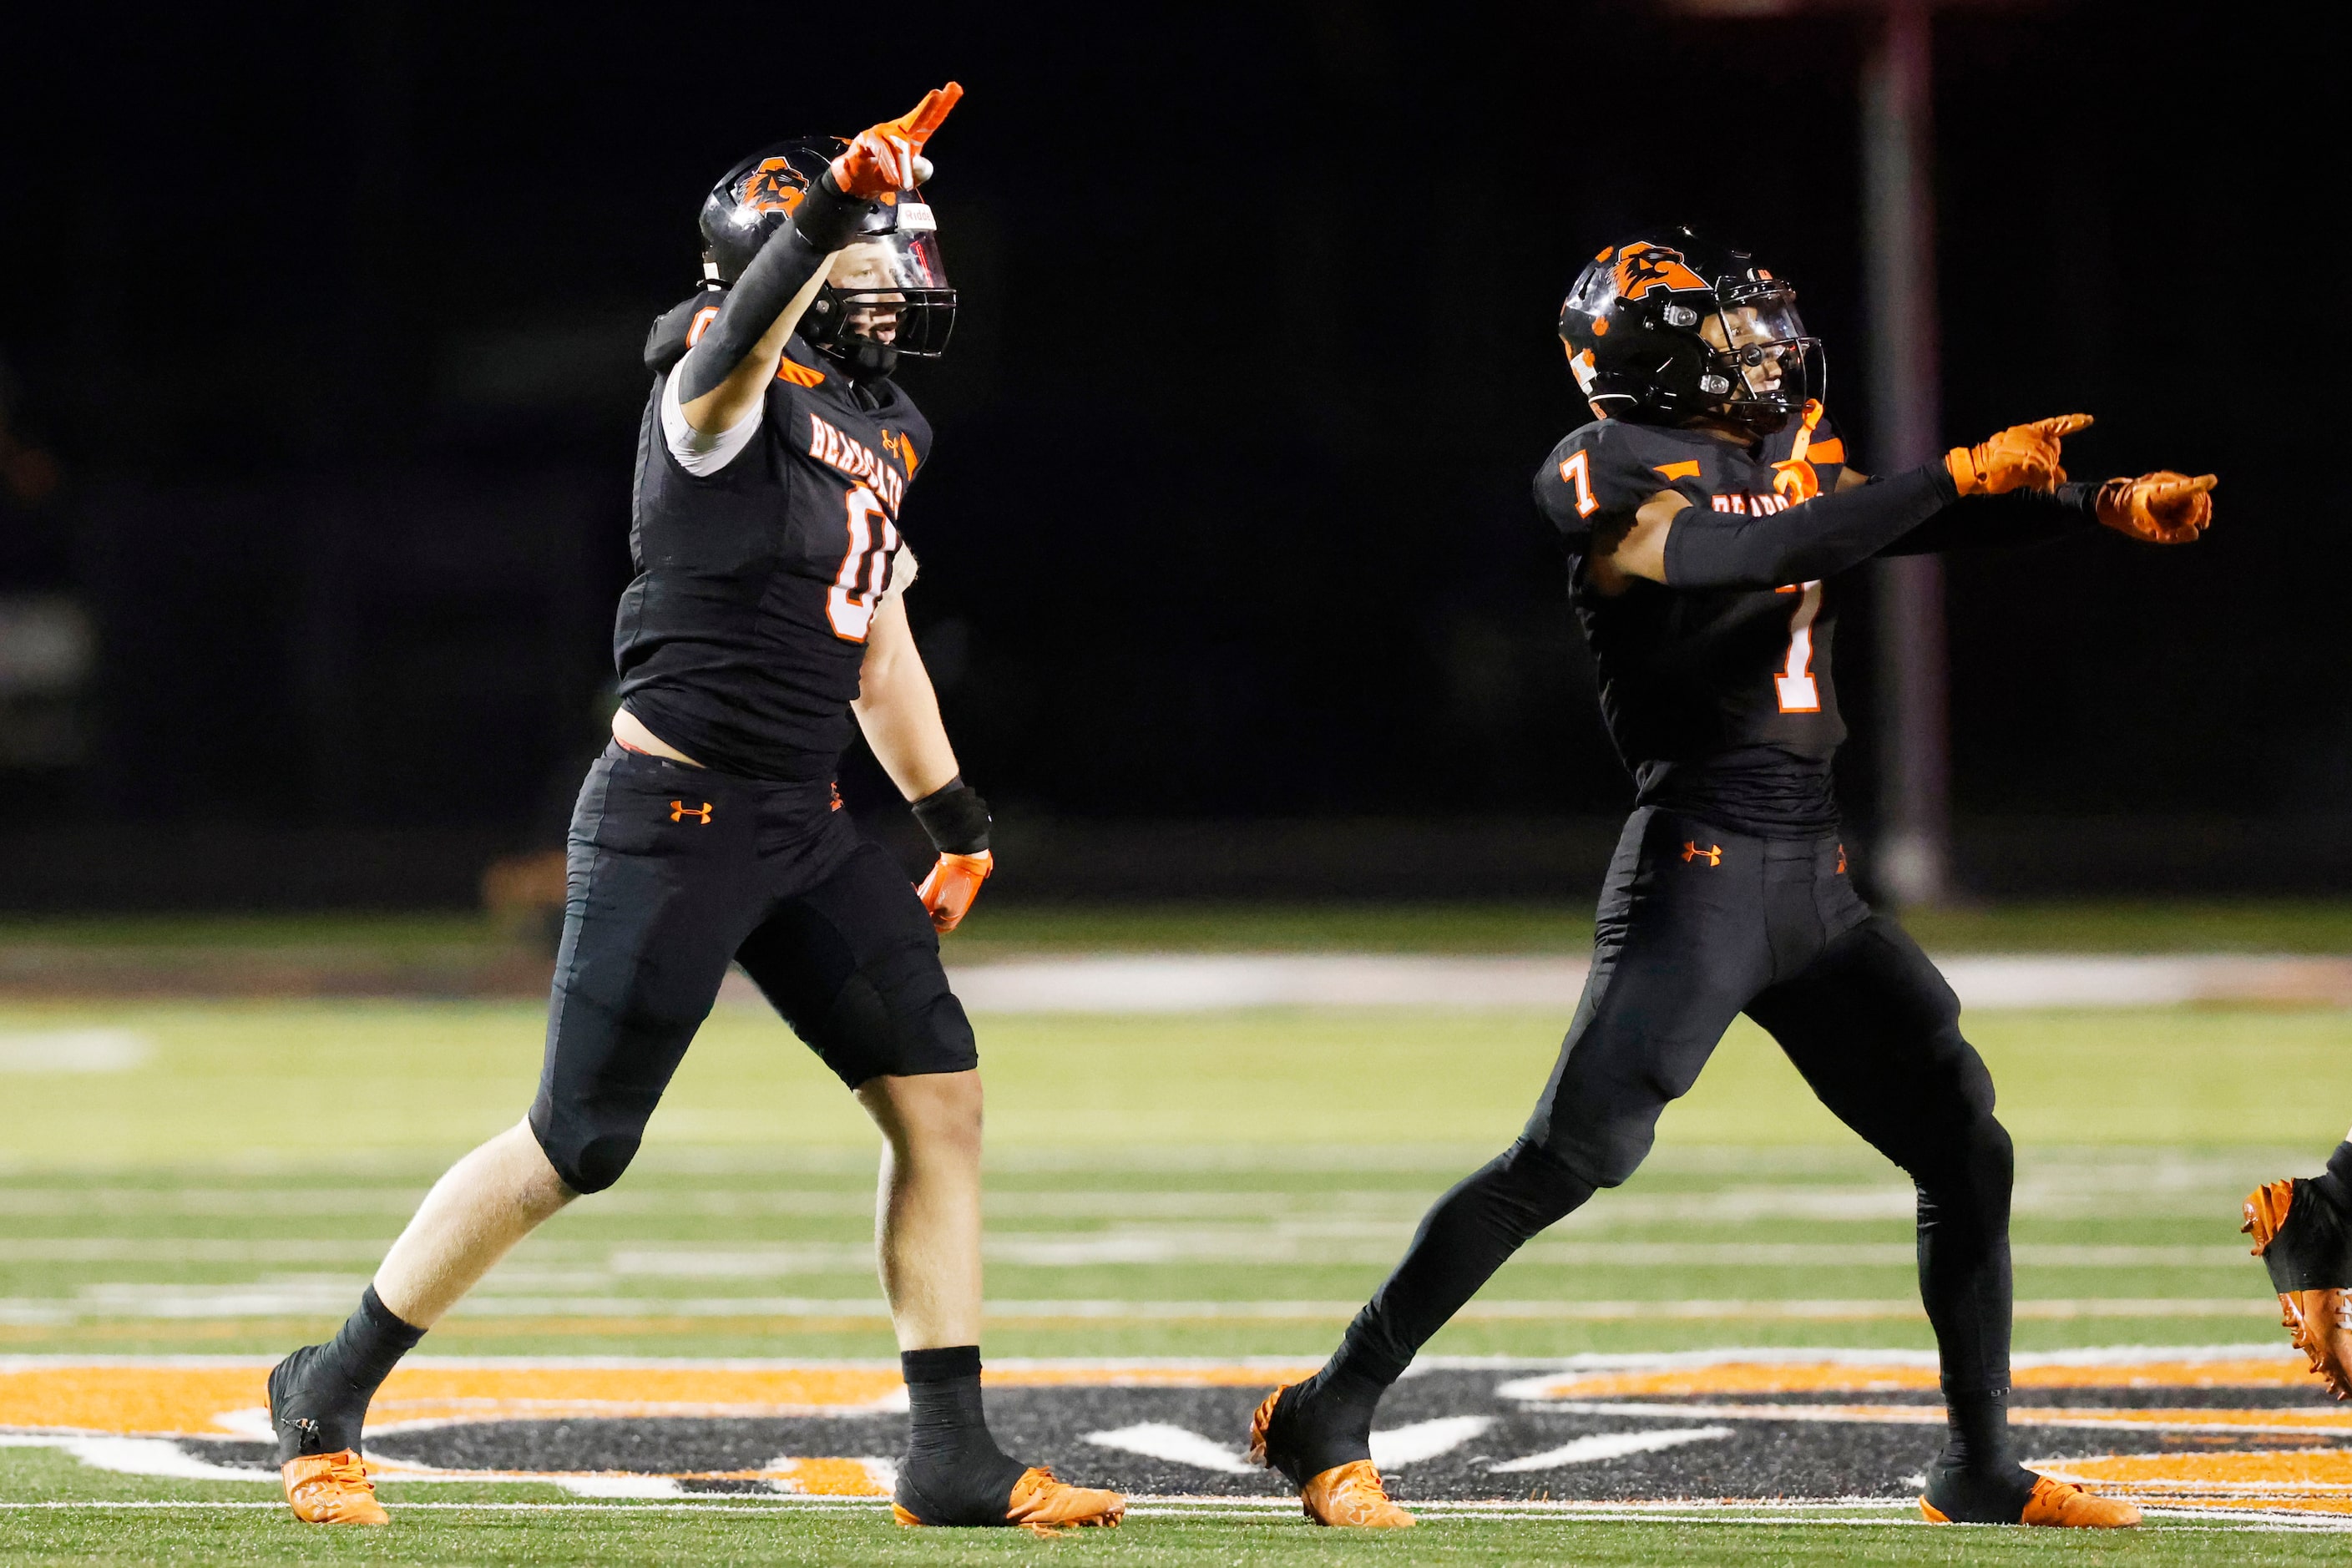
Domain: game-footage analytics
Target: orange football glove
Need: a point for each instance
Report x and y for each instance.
(2161, 507)
(888, 157)
(954, 882)
(2022, 457)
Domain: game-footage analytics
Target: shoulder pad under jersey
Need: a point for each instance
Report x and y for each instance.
(1607, 468)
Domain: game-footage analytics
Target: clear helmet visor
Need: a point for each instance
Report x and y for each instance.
(1761, 344)
(892, 289)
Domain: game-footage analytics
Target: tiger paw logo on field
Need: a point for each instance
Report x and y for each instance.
(774, 186)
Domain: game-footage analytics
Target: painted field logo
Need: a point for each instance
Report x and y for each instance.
(2232, 1433)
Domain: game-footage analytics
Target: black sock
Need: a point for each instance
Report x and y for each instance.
(1979, 1429)
(319, 1394)
(1977, 1479)
(954, 1473)
(2335, 1186)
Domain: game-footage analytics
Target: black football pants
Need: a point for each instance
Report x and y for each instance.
(1696, 926)
(675, 872)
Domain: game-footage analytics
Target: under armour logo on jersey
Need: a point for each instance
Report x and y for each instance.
(1712, 854)
(679, 811)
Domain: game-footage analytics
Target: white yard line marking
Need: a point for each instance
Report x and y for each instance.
(618, 1485)
(1425, 1439)
(1175, 1444)
(73, 1050)
(1186, 983)
(174, 1303)
(1612, 1446)
(2176, 1518)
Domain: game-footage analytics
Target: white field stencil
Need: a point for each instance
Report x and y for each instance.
(1425, 1439)
(1175, 1444)
(1611, 1446)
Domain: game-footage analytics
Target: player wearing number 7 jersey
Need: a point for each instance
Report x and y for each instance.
(1702, 512)
(766, 615)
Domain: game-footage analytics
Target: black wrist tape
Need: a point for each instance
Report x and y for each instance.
(955, 818)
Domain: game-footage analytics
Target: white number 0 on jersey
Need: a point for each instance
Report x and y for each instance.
(865, 566)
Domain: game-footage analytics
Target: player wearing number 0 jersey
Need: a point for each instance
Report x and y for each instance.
(1704, 515)
(766, 619)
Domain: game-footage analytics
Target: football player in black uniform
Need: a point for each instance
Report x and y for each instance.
(2303, 1233)
(1701, 512)
(772, 462)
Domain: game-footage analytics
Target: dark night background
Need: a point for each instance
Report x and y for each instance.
(325, 322)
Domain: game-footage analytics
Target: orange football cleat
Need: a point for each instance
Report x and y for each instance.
(2060, 1506)
(332, 1489)
(1351, 1497)
(1346, 1497)
(1043, 1506)
(2316, 1317)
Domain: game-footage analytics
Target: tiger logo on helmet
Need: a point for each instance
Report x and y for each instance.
(774, 186)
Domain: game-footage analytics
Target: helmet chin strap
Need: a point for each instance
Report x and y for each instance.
(864, 359)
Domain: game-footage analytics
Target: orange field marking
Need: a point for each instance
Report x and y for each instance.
(2294, 1481)
(213, 1401)
(207, 1401)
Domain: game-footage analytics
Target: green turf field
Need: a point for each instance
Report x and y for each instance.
(2216, 925)
(1215, 1185)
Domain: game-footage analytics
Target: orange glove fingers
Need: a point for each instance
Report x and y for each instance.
(918, 122)
(2062, 426)
(889, 156)
(954, 882)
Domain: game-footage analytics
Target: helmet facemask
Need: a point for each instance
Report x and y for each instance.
(886, 297)
(1763, 366)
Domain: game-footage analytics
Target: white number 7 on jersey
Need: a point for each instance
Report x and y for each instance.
(1799, 693)
(1577, 471)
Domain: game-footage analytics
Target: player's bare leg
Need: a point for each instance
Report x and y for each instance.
(2303, 1233)
(474, 1215)
(927, 1240)
(318, 1396)
(927, 1211)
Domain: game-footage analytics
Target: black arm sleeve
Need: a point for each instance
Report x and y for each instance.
(1818, 538)
(2019, 517)
(824, 222)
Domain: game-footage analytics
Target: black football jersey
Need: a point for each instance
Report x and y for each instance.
(1720, 701)
(741, 639)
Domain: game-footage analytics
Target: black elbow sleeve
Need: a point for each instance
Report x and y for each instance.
(1815, 539)
(824, 221)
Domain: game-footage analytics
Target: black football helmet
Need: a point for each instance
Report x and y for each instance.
(887, 296)
(1664, 334)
